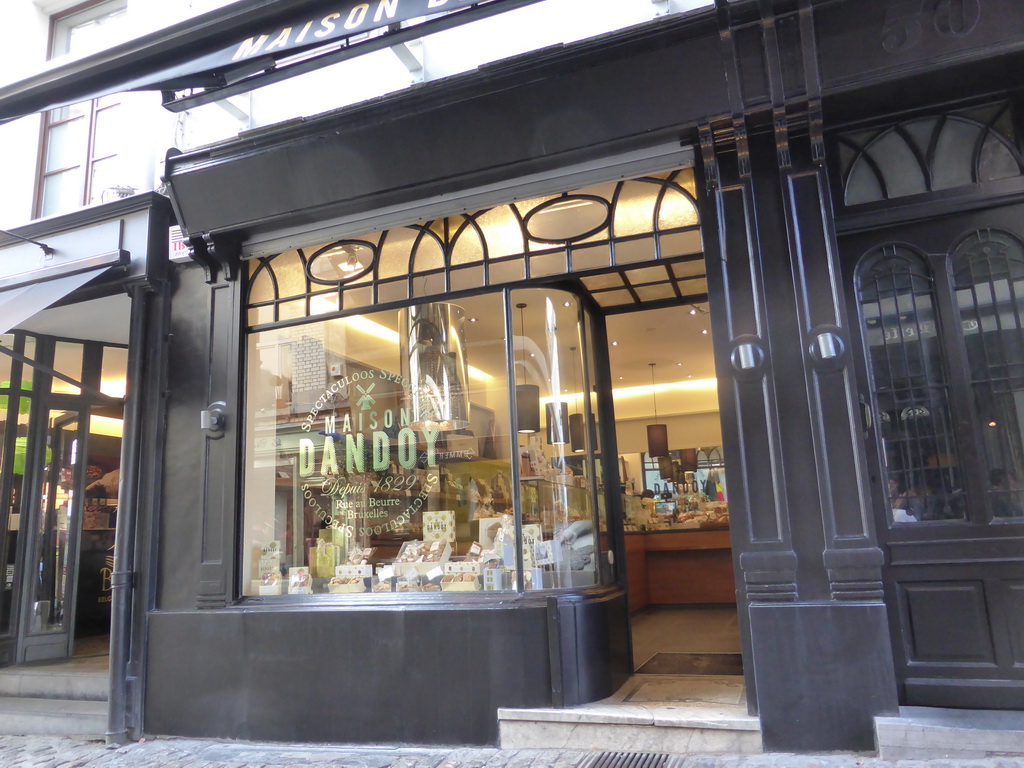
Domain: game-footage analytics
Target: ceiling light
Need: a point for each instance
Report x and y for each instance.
(472, 319)
(693, 311)
(615, 343)
(704, 332)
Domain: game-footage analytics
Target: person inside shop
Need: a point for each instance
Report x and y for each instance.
(901, 502)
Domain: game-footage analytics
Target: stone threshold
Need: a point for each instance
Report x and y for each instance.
(928, 733)
(670, 714)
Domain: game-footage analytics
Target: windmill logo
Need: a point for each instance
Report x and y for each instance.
(367, 400)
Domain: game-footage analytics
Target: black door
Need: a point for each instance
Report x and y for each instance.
(941, 306)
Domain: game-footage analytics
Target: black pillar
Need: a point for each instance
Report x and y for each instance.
(818, 655)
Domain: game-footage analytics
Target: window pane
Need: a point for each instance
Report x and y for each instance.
(377, 458)
(989, 269)
(90, 30)
(67, 359)
(910, 388)
(6, 341)
(107, 181)
(66, 113)
(559, 532)
(15, 506)
(114, 377)
(62, 192)
(58, 506)
(65, 145)
(110, 132)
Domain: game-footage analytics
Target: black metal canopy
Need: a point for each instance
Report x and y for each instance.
(239, 47)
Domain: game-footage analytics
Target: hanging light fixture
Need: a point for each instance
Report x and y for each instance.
(576, 433)
(433, 353)
(527, 395)
(657, 434)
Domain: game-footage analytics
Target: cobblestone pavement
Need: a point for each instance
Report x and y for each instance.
(69, 752)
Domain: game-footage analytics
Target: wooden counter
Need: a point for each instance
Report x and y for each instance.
(679, 568)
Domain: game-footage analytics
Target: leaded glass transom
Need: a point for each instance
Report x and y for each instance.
(928, 154)
(607, 227)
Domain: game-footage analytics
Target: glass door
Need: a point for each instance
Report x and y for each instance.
(48, 611)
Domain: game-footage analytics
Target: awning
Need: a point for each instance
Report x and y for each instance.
(19, 304)
(239, 47)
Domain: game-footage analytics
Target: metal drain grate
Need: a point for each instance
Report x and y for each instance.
(629, 760)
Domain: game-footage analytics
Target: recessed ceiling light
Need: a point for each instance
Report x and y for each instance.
(472, 319)
(704, 332)
(615, 343)
(679, 364)
(567, 304)
(991, 423)
(693, 311)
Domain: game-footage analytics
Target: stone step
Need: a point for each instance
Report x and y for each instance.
(925, 733)
(634, 728)
(22, 716)
(669, 714)
(46, 682)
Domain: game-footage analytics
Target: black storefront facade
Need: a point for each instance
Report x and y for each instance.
(858, 184)
(84, 298)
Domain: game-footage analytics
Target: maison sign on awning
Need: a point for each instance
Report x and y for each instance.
(239, 47)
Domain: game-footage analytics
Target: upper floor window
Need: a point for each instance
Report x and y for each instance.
(79, 163)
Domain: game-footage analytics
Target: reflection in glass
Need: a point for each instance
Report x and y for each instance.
(910, 387)
(379, 450)
(356, 480)
(11, 515)
(988, 270)
(560, 541)
(114, 374)
(58, 506)
(67, 359)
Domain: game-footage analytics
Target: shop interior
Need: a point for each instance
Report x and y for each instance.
(69, 488)
(674, 492)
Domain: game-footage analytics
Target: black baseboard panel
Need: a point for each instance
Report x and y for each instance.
(823, 672)
(395, 675)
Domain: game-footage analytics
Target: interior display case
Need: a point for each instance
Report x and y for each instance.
(678, 545)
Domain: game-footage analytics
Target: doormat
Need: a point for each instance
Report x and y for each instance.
(693, 664)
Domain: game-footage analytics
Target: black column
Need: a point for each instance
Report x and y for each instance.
(818, 655)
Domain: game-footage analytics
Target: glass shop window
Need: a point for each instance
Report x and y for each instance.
(380, 448)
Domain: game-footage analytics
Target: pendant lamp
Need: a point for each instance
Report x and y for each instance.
(576, 434)
(527, 395)
(657, 434)
(434, 363)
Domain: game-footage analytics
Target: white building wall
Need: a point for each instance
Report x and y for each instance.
(149, 130)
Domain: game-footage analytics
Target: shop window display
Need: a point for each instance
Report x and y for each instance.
(384, 449)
